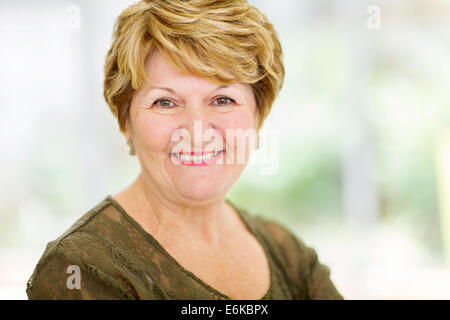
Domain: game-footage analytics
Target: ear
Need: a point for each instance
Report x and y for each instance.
(256, 122)
(256, 128)
(128, 134)
(128, 128)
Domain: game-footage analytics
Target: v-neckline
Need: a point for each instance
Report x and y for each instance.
(158, 245)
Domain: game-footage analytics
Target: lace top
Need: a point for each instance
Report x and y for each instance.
(117, 259)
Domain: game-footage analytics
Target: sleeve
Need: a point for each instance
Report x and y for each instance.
(319, 282)
(307, 277)
(64, 276)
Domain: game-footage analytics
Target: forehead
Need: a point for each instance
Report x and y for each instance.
(161, 72)
(157, 66)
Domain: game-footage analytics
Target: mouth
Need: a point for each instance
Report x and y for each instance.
(197, 158)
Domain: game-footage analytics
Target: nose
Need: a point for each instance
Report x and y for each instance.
(199, 124)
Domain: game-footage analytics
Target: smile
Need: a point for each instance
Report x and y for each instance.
(198, 159)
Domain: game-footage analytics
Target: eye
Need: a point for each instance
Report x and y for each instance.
(223, 101)
(164, 103)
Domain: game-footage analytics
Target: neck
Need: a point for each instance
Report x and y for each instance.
(174, 218)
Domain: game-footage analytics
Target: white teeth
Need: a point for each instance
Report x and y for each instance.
(187, 157)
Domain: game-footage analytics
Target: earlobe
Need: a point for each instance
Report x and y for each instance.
(128, 129)
(256, 123)
(127, 134)
(131, 146)
(257, 127)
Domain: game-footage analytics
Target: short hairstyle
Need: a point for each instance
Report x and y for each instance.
(225, 41)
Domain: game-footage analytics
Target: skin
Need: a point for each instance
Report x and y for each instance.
(173, 201)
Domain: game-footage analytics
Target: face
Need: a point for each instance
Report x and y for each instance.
(174, 115)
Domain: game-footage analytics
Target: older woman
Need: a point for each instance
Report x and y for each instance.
(180, 77)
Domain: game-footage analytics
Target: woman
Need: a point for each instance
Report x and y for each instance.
(183, 79)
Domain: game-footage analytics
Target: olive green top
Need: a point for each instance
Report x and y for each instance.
(115, 258)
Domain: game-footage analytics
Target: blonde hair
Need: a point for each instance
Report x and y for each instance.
(225, 41)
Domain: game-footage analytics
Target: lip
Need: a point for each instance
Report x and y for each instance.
(197, 153)
(192, 163)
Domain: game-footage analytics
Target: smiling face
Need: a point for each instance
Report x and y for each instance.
(176, 113)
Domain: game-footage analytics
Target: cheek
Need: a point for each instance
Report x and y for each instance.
(237, 128)
(153, 132)
(239, 119)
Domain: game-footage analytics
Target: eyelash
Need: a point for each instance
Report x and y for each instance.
(222, 97)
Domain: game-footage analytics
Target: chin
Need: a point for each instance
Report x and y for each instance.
(203, 188)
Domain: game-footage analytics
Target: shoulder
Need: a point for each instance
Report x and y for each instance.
(299, 263)
(81, 248)
(272, 231)
(78, 235)
(277, 237)
(281, 239)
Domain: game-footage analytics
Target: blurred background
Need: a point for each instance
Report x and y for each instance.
(363, 156)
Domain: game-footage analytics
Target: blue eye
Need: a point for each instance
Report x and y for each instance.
(164, 103)
(223, 101)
